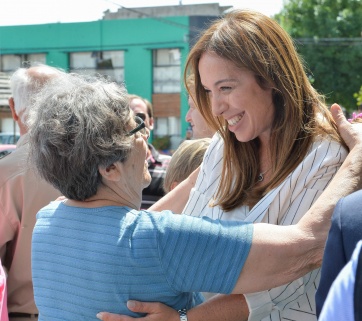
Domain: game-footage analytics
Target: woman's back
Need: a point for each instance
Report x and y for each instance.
(87, 260)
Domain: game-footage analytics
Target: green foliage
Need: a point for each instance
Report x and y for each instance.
(162, 143)
(358, 96)
(328, 37)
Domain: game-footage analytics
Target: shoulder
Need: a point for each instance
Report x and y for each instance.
(324, 143)
(13, 164)
(349, 208)
(347, 221)
(348, 212)
(325, 152)
(353, 199)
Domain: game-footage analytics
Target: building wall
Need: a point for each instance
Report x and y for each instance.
(137, 37)
(209, 9)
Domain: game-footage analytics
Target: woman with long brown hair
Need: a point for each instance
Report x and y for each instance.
(276, 149)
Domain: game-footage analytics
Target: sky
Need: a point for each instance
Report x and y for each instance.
(25, 12)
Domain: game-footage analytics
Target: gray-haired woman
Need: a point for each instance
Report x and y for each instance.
(95, 250)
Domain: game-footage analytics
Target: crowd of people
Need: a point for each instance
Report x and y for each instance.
(89, 224)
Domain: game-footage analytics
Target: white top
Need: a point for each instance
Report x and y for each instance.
(340, 299)
(284, 205)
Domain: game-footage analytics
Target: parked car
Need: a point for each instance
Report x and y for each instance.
(9, 138)
(6, 149)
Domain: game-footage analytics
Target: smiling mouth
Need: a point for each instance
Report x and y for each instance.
(233, 121)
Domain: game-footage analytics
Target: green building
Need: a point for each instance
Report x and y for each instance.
(146, 52)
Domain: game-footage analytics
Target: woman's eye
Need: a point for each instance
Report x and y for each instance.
(225, 88)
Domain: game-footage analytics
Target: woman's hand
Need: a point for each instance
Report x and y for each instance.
(351, 134)
(155, 312)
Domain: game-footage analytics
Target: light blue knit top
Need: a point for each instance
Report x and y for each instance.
(89, 260)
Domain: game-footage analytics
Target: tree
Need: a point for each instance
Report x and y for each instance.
(328, 34)
(358, 96)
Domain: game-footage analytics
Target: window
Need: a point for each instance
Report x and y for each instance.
(107, 63)
(167, 71)
(166, 94)
(9, 63)
(169, 126)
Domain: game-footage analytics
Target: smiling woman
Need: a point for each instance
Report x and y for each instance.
(277, 141)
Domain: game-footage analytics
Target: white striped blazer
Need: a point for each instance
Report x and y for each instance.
(284, 205)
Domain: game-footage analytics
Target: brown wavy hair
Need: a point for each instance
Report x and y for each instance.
(255, 42)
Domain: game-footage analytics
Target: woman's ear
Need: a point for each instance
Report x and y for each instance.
(111, 172)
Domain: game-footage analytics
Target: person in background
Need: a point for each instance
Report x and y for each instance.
(187, 158)
(157, 162)
(96, 249)
(3, 295)
(344, 234)
(345, 296)
(22, 194)
(276, 147)
(199, 126)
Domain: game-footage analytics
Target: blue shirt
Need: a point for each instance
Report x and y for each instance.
(87, 260)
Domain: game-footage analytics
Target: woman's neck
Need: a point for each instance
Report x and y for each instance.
(265, 164)
(107, 196)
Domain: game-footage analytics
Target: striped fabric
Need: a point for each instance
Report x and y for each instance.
(89, 260)
(284, 205)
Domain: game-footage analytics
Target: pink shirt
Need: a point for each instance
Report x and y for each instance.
(3, 296)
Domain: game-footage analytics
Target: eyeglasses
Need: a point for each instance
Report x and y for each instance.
(140, 128)
(142, 116)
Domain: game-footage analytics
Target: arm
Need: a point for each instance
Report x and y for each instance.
(218, 308)
(176, 199)
(290, 202)
(300, 247)
(297, 249)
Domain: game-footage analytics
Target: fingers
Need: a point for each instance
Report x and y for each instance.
(338, 115)
(154, 310)
(144, 307)
(105, 316)
(351, 134)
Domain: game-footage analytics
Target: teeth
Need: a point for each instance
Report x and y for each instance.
(235, 120)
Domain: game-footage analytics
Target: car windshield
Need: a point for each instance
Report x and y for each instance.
(9, 138)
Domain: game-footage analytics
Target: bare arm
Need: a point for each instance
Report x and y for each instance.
(218, 308)
(176, 199)
(279, 254)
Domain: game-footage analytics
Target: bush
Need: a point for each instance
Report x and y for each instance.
(162, 143)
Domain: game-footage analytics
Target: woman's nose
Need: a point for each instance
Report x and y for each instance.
(218, 105)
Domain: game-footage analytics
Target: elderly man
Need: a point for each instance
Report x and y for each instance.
(22, 194)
